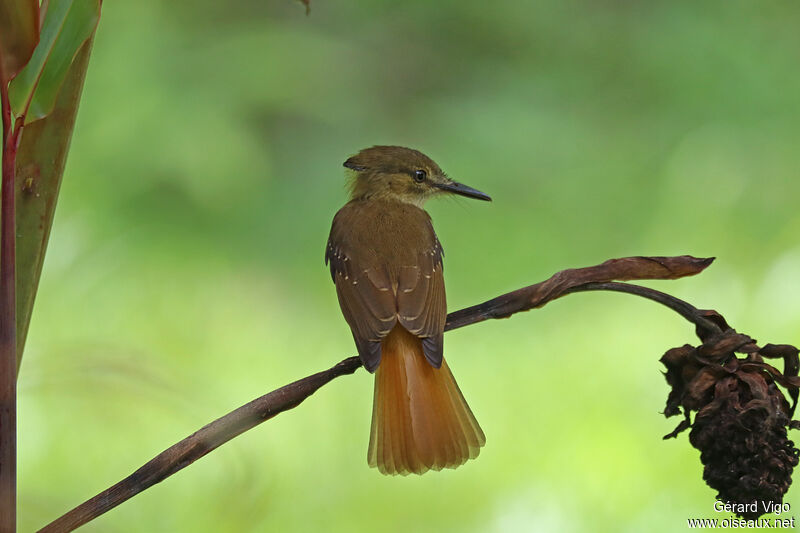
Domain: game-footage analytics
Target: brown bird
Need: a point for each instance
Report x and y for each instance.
(386, 262)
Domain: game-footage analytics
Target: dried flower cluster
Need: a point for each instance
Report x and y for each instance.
(742, 417)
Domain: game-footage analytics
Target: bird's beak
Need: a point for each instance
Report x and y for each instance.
(463, 190)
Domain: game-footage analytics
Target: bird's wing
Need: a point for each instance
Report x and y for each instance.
(366, 298)
(421, 303)
(377, 290)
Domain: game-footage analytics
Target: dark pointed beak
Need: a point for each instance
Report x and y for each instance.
(463, 190)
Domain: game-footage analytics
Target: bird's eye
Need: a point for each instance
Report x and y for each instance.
(420, 175)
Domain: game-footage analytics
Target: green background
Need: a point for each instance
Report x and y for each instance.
(185, 274)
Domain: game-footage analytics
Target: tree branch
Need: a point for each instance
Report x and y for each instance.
(685, 309)
(261, 409)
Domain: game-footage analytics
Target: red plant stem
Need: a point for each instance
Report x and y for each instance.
(8, 323)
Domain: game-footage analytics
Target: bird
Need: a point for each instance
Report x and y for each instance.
(386, 263)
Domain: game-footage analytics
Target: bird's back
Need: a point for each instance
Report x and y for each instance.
(383, 234)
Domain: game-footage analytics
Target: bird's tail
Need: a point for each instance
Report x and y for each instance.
(420, 419)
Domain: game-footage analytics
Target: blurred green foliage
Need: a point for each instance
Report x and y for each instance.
(185, 274)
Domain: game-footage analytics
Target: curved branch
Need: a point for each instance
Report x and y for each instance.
(534, 296)
(685, 309)
(261, 409)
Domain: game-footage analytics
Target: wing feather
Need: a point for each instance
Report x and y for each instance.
(379, 287)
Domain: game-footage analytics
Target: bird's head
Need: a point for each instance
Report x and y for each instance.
(402, 174)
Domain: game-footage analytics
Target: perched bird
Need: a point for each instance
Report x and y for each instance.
(386, 263)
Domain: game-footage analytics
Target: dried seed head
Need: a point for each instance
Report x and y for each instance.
(742, 416)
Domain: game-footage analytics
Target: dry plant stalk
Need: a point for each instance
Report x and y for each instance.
(599, 277)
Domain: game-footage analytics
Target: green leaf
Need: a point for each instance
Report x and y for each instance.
(40, 164)
(19, 33)
(67, 25)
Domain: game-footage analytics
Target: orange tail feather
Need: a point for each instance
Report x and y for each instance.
(420, 419)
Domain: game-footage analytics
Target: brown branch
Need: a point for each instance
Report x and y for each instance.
(685, 309)
(250, 415)
(534, 296)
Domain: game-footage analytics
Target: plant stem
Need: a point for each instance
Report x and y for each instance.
(685, 309)
(225, 428)
(8, 323)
